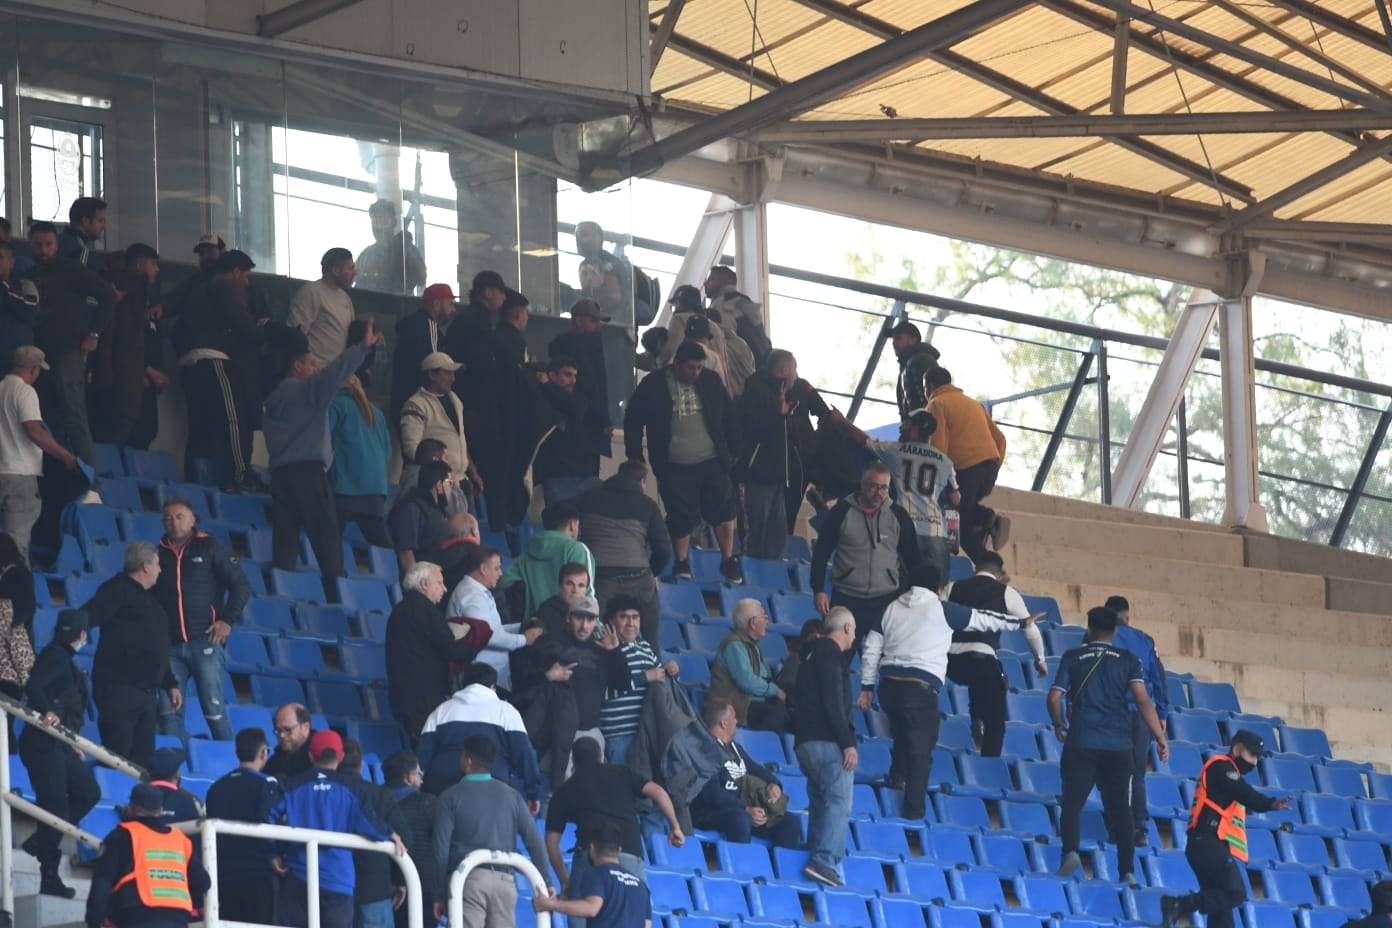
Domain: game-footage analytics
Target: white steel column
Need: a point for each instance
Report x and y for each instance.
(751, 255)
(1163, 399)
(1242, 482)
(705, 248)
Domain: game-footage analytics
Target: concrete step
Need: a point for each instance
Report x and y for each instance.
(1111, 538)
(1150, 606)
(1165, 576)
(1011, 500)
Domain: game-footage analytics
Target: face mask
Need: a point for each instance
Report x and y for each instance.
(1244, 766)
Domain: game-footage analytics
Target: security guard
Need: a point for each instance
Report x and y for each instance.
(1217, 839)
(63, 784)
(145, 875)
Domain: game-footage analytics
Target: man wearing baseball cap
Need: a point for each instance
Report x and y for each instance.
(1217, 837)
(146, 874)
(418, 335)
(436, 412)
(584, 345)
(326, 800)
(23, 442)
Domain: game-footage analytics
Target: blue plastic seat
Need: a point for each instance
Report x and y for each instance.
(1340, 780)
(1198, 729)
(246, 653)
(364, 660)
(154, 466)
(1268, 914)
(269, 613)
(212, 758)
(1170, 871)
(842, 907)
(923, 879)
(766, 747)
(792, 608)
(102, 820)
(681, 599)
(705, 564)
(1220, 697)
(298, 584)
(248, 510)
(1290, 885)
(295, 657)
(978, 887)
(1041, 778)
(777, 901)
(866, 874)
(107, 560)
(1029, 707)
(334, 699)
(962, 811)
(275, 691)
(120, 493)
(695, 669)
(731, 595)
(1164, 798)
(45, 621)
(748, 861)
(955, 734)
(1312, 742)
(240, 717)
(1355, 854)
(988, 777)
(1097, 898)
(1288, 773)
(689, 858)
(1186, 760)
(96, 525)
(949, 846)
(1043, 893)
(109, 462)
(1321, 918)
(1027, 818)
(1004, 852)
(768, 575)
(1304, 849)
(1345, 891)
(721, 896)
(365, 594)
(81, 588)
(1062, 639)
(1379, 785)
(255, 576)
(1047, 605)
(329, 623)
(896, 912)
(670, 891)
(886, 839)
(959, 568)
(115, 785)
(1021, 741)
(1374, 816)
(705, 638)
(789, 862)
(1328, 812)
(874, 761)
(380, 738)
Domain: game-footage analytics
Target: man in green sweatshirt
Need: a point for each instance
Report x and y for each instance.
(539, 569)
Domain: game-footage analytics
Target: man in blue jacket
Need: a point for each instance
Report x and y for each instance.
(323, 799)
(1130, 638)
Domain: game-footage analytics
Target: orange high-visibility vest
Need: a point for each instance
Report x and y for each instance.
(1232, 821)
(161, 867)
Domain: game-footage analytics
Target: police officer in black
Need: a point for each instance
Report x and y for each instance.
(1217, 838)
(63, 785)
(972, 660)
(1096, 678)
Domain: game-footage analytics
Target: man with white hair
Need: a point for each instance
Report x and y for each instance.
(23, 441)
(420, 647)
(824, 739)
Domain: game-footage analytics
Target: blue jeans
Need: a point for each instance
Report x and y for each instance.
(828, 800)
(204, 661)
(559, 488)
(616, 748)
(377, 914)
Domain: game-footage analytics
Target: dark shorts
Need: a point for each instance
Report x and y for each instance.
(693, 493)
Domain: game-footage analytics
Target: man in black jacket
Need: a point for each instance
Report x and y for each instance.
(402, 776)
(825, 742)
(75, 308)
(623, 529)
(420, 648)
(218, 342)
(584, 344)
(470, 342)
(916, 360)
(418, 335)
(63, 784)
(769, 464)
(567, 463)
(203, 591)
(132, 660)
(694, 439)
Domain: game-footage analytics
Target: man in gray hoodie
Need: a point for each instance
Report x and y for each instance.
(296, 425)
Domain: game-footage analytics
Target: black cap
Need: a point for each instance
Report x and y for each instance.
(233, 260)
(906, 328)
(146, 798)
(70, 621)
(166, 763)
(1251, 741)
(486, 280)
(698, 327)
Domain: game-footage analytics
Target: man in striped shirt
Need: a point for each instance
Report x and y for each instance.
(619, 715)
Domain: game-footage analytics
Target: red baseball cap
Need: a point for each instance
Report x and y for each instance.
(438, 292)
(323, 743)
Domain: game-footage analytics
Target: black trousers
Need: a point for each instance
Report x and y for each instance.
(1110, 771)
(975, 483)
(301, 498)
(63, 785)
(984, 679)
(1140, 760)
(128, 718)
(220, 415)
(1220, 882)
(767, 715)
(251, 901)
(912, 708)
(552, 719)
(866, 611)
(350, 509)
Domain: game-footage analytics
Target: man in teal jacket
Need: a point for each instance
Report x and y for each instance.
(539, 569)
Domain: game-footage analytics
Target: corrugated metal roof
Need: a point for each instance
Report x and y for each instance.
(1063, 49)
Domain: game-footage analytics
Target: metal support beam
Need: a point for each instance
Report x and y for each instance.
(1334, 22)
(704, 250)
(1380, 102)
(751, 255)
(1046, 463)
(1033, 96)
(663, 35)
(896, 315)
(1237, 360)
(826, 84)
(1164, 397)
(299, 13)
(1121, 45)
(1104, 424)
(724, 63)
(1077, 125)
(1360, 481)
(1306, 185)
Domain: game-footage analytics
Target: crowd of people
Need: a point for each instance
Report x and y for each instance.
(536, 676)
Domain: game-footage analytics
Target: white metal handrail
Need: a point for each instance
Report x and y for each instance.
(313, 839)
(484, 857)
(9, 801)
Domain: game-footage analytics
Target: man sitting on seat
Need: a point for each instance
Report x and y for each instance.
(744, 799)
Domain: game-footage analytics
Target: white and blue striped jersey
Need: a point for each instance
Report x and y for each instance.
(921, 475)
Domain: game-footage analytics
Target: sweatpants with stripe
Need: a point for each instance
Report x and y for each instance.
(220, 416)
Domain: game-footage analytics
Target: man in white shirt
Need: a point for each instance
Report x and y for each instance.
(473, 599)
(23, 441)
(322, 309)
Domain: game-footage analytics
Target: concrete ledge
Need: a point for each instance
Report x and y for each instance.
(1268, 552)
(1358, 595)
(1011, 500)
(1137, 540)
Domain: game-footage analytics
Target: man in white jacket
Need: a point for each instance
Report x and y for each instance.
(906, 655)
(473, 599)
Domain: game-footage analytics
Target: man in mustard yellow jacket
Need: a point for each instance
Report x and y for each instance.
(976, 447)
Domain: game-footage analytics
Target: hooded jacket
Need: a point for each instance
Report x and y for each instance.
(623, 527)
(650, 410)
(966, 433)
(477, 710)
(328, 800)
(770, 457)
(540, 567)
(198, 585)
(913, 636)
(868, 548)
(914, 368)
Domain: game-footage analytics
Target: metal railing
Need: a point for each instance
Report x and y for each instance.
(313, 840)
(488, 858)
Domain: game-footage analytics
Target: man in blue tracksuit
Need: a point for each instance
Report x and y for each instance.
(323, 799)
(1130, 638)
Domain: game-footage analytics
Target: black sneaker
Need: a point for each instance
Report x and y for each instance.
(1000, 532)
(730, 570)
(1171, 908)
(681, 568)
(824, 875)
(51, 885)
